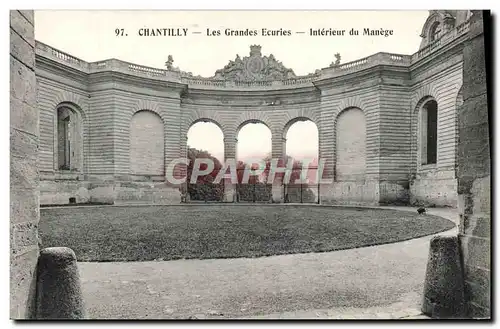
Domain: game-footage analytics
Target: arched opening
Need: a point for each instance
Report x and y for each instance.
(205, 140)
(147, 145)
(435, 31)
(428, 132)
(69, 136)
(253, 152)
(350, 159)
(302, 147)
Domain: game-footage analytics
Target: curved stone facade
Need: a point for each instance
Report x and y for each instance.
(388, 89)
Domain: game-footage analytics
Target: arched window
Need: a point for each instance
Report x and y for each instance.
(68, 139)
(435, 31)
(428, 132)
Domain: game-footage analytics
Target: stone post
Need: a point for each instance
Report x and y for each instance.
(443, 287)
(326, 164)
(59, 294)
(474, 172)
(24, 174)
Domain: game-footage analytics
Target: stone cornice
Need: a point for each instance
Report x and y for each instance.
(141, 82)
(264, 102)
(311, 88)
(264, 105)
(69, 73)
(370, 72)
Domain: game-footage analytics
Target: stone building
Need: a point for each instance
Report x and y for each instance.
(387, 123)
(106, 131)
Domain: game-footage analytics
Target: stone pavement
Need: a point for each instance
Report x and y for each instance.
(379, 282)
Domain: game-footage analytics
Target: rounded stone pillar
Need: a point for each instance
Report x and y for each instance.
(59, 294)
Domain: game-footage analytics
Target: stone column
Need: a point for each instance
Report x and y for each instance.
(474, 173)
(278, 152)
(326, 164)
(230, 143)
(24, 174)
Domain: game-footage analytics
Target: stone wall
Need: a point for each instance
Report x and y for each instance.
(24, 204)
(351, 193)
(53, 91)
(435, 184)
(474, 172)
(388, 92)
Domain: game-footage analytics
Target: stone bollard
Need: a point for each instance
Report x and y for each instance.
(444, 296)
(59, 294)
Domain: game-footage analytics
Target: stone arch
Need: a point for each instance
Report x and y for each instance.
(422, 102)
(148, 105)
(74, 107)
(434, 31)
(205, 119)
(291, 122)
(427, 90)
(73, 99)
(147, 144)
(195, 115)
(253, 117)
(244, 123)
(351, 102)
(431, 20)
(350, 144)
(69, 126)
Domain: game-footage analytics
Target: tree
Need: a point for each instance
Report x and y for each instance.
(295, 190)
(255, 188)
(204, 189)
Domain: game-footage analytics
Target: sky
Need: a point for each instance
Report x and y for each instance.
(91, 36)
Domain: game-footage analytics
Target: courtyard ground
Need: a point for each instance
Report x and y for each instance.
(378, 282)
(224, 231)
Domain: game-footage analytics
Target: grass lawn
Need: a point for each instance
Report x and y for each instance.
(224, 231)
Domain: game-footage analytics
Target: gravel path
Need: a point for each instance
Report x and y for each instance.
(384, 281)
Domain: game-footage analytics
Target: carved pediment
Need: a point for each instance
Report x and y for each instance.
(254, 68)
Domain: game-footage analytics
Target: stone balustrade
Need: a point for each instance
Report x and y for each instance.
(146, 70)
(211, 83)
(60, 56)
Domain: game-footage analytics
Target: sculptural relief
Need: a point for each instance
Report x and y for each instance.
(254, 68)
